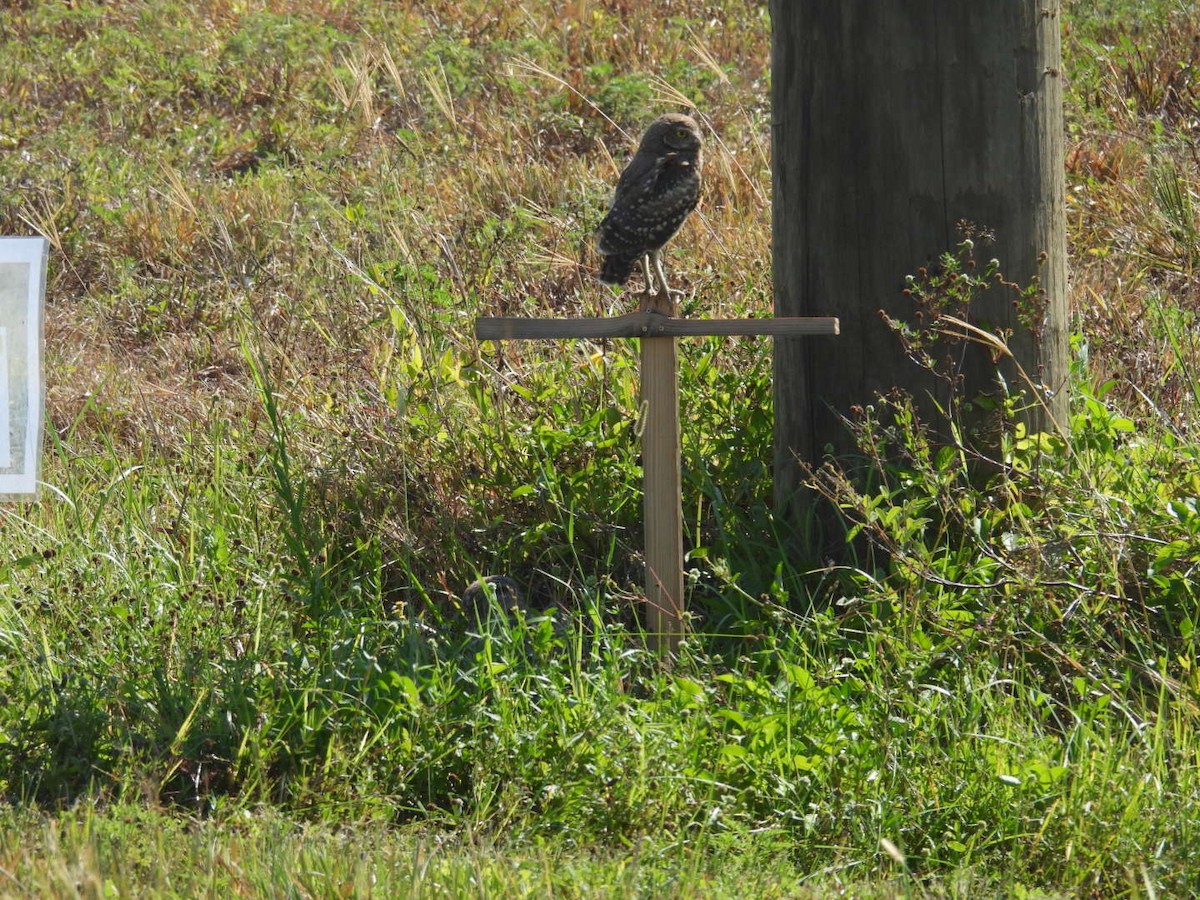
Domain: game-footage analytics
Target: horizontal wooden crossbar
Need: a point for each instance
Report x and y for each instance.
(647, 324)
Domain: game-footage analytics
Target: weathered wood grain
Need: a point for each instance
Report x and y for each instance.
(663, 504)
(892, 121)
(645, 324)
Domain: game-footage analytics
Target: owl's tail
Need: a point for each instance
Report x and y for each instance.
(617, 267)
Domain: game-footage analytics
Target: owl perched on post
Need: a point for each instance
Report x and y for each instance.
(654, 194)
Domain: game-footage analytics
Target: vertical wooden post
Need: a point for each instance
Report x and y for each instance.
(662, 490)
(893, 121)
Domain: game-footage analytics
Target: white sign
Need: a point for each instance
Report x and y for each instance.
(22, 291)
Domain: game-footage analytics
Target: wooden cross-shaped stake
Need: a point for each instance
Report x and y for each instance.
(657, 327)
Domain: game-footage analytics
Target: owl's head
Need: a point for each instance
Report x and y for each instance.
(674, 131)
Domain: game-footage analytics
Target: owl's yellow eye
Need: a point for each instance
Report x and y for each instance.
(681, 132)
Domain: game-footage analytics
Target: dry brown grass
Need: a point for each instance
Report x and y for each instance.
(1133, 178)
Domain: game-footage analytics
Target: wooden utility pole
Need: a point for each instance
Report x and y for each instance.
(658, 328)
(894, 120)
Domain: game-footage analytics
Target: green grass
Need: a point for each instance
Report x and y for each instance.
(235, 658)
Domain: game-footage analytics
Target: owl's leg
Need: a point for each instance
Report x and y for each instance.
(662, 275)
(648, 292)
(659, 295)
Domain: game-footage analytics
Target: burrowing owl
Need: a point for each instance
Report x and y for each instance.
(655, 193)
(505, 591)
